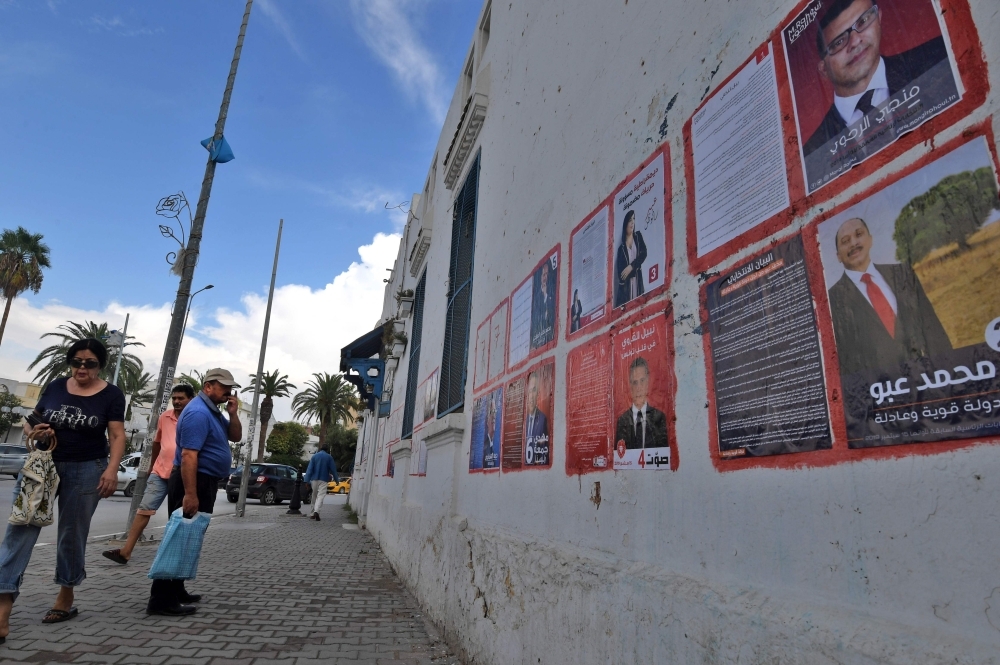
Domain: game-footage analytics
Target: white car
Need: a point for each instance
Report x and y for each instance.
(126, 479)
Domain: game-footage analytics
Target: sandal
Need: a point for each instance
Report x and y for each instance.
(58, 616)
(116, 556)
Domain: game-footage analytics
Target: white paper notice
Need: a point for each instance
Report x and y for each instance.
(520, 323)
(590, 271)
(740, 177)
(498, 341)
(482, 353)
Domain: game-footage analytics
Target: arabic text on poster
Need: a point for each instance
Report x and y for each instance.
(588, 407)
(588, 292)
(513, 425)
(640, 236)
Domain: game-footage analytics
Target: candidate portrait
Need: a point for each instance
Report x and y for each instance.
(536, 426)
(641, 425)
(491, 447)
(543, 307)
(881, 314)
(849, 41)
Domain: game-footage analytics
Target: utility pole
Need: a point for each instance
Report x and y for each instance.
(241, 503)
(121, 350)
(168, 366)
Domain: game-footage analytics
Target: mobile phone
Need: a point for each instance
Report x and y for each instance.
(33, 419)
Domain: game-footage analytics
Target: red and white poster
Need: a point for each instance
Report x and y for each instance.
(641, 396)
(588, 407)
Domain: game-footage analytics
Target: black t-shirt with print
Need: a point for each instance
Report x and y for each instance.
(81, 423)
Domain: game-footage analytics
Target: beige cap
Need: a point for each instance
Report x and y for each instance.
(223, 376)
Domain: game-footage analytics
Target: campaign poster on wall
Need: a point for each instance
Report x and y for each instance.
(641, 369)
(538, 410)
(639, 235)
(418, 457)
(512, 448)
(863, 74)
(533, 310)
(768, 383)
(427, 398)
(482, 354)
(498, 341)
(910, 274)
(588, 287)
(487, 418)
(740, 176)
(588, 407)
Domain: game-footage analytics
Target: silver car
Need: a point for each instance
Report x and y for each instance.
(12, 456)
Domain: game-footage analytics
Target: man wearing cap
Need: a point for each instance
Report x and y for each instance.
(202, 459)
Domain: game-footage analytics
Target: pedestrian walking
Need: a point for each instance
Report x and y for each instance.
(79, 410)
(320, 471)
(201, 459)
(164, 449)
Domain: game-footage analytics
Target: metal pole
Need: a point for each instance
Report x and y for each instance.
(171, 350)
(248, 447)
(121, 351)
(188, 313)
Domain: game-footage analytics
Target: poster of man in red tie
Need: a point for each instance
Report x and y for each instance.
(910, 274)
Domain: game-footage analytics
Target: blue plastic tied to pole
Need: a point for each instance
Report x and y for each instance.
(177, 558)
(219, 151)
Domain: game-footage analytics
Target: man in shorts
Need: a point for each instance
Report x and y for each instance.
(164, 447)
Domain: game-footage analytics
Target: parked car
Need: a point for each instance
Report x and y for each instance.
(132, 460)
(269, 483)
(342, 487)
(225, 481)
(12, 456)
(126, 479)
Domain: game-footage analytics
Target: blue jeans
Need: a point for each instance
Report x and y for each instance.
(77, 501)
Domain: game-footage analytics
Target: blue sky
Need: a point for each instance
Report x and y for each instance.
(336, 110)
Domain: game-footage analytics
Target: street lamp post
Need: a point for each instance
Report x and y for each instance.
(188, 313)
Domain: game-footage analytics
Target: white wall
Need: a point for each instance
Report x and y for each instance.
(879, 560)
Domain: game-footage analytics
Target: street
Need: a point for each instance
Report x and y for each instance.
(109, 520)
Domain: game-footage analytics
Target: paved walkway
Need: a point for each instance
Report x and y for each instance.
(278, 589)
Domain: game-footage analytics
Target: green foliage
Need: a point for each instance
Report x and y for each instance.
(330, 399)
(343, 443)
(195, 379)
(273, 384)
(8, 419)
(141, 387)
(51, 362)
(22, 257)
(949, 212)
(288, 441)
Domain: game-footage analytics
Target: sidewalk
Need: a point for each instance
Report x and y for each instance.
(277, 589)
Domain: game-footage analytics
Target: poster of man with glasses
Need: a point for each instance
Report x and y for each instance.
(862, 75)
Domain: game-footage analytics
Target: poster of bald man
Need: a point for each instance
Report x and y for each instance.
(910, 274)
(863, 74)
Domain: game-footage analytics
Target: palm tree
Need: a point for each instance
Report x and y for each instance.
(22, 257)
(52, 360)
(272, 385)
(195, 379)
(142, 389)
(330, 399)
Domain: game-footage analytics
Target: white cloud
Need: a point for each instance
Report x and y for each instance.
(308, 326)
(271, 11)
(387, 28)
(117, 25)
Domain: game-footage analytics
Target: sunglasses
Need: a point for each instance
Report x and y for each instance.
(80, 363)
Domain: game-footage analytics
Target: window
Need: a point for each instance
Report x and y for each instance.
(484, 31)
(416, 337)
(470, 69)
(451, 394)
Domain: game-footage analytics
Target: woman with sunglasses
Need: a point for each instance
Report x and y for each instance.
(79, 409)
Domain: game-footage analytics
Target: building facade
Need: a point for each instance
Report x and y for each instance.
(692, 342)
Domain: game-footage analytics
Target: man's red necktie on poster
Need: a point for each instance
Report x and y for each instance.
(881, 305)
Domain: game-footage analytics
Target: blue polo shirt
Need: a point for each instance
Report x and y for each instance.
(202, 427)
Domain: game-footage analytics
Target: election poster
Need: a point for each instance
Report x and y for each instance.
(512, 443)
(769, 388)
(538, 411)
(481, 369)
(588, 407)
(588, 288)
(640, 234)
(426, 402)
(738, 149)
(910, 275)
(498, 341)
(533, 310)
(641, 392)
(487, 418)
(863, 74)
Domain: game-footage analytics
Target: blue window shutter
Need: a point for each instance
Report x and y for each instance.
(412, 378)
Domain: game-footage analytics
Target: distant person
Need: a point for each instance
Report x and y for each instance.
(641, 425)
(536, 427)
(628, 262)
(881, 315)
(575, 312)
(164, 448)
(79, 409)
(849, 40)
(201, 460)
(321, 470)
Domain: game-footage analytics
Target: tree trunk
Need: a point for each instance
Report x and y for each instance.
(266, 409)
(322, 432)
(6, 313)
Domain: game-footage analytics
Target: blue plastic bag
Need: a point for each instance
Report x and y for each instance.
(177, 558)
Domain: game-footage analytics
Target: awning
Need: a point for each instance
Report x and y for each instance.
(365, 346)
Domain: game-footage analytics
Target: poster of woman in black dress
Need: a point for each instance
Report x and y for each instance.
(628, 262)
